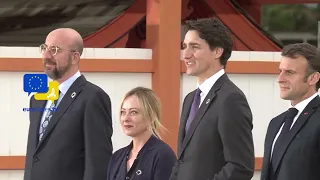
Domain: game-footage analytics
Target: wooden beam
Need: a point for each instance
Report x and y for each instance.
(258, 163)
(12, 162)
(254, 39)
(247, 67)
(163, 37)
(133, 66)
(252, 8)
(118, 28)
(86, 65)
(18, 162)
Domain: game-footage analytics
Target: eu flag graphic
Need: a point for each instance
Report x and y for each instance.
(35, 83)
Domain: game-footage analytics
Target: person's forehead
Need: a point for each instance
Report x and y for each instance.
(297, 63)
(131, 102)
(57, 39)
(192, 35)
(192, 38)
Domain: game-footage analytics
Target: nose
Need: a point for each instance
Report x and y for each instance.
(187, 53)
(280, 78)
(46, 54)
(125, 117)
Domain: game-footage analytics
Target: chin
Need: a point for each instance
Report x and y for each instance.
(48, 72)
(191, 73)
(134, 134)
(131, 134)
(284, 97)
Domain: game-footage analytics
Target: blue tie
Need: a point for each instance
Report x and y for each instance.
(47, 119)
(194, 108)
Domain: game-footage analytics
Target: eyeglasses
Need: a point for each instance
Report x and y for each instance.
(52, 49)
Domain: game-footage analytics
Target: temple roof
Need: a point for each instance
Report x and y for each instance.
(103, 23)
(27, 22)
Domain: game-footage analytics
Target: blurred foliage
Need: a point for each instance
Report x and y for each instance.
(290, 18)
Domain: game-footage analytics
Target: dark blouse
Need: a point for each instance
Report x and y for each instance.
(122, 173)
(154, 162)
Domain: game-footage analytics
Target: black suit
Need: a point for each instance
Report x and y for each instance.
(300, 150)
(218, 144)
(77, 142)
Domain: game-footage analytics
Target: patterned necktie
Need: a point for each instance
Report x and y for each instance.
(47, 119)
(291, 113)
(194, 108)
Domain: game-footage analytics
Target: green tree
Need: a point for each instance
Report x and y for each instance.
(290, 18)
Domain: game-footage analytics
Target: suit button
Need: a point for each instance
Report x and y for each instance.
(180, 161)
(35, 159)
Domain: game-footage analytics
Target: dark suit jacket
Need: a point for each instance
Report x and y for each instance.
(77, 143)
(301, 149)
(218, 144)
(156, 160)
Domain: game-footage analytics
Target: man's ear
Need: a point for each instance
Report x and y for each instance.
(313, 79)
(217, 52)
(76, 58)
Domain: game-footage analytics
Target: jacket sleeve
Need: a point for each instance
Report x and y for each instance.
(164, 164)
(235, 125)
(98, 130)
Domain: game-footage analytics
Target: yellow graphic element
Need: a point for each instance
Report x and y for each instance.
(51, 95)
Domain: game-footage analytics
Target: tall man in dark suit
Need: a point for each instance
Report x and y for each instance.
(292, 143)
(73, 143)
(215, 139)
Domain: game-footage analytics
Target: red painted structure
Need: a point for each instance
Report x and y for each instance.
(242, 17)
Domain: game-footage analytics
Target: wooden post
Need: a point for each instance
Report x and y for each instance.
(163, 37)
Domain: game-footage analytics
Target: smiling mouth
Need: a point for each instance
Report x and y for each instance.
(284, 88)
(190, 63)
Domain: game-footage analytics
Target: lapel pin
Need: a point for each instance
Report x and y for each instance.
(305, 113)
(208, 100)
(139, 172)
(73, 95)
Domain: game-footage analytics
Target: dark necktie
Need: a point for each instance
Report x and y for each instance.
(291, 113)
(194, 108)
(47, 119)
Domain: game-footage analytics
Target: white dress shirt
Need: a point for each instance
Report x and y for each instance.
(206, 86)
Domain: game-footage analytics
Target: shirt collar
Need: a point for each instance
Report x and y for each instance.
(63, 87)
(208, 83)
(301, 105)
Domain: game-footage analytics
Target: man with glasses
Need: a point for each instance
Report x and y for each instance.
(74, 142)
(292, 143)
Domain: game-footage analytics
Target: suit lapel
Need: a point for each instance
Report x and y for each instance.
(66, 101)
(302, 119)
(184, 117)
(271, 134)
(203, 108)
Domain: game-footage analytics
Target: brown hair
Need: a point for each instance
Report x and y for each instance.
(309, 52)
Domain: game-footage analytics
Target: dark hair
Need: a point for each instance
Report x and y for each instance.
(214, 33)
(309, 52)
